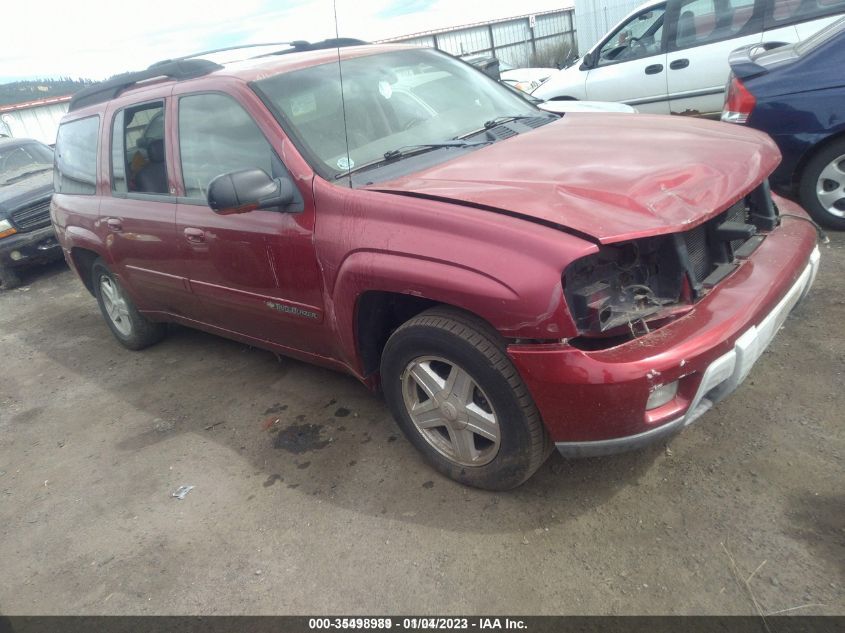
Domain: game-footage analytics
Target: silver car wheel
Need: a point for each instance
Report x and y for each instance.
(451, 411)
(830, 187)
(115, 305)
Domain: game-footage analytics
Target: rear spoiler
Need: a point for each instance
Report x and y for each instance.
(742, 59)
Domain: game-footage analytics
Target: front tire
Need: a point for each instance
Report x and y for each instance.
(129, 326)
(9, 278)
(822, 186)
(460, 401)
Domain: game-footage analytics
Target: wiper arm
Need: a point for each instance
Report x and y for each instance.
(410, 150)
(26, 174)
(499, 120)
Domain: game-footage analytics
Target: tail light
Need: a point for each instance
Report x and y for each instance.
(739, 102)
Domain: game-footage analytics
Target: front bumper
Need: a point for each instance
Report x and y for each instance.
(31, 247)
(594, 402)
(720, 379)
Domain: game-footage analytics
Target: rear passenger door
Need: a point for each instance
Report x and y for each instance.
(138, 220)
(254, 273)
(704, 34)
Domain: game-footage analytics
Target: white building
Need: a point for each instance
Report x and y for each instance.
(34, 119)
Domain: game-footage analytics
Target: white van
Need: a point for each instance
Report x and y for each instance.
(671, 56)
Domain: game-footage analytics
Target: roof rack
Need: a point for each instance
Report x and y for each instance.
(190, 67)
(175, 69)
(227, 48)
(299, 46)
(295, 46)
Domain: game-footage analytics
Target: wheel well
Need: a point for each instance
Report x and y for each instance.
(809, 154)
(84, 260)
(378, 314)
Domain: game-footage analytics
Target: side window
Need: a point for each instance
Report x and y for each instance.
(784, 12)
(137, 150)
(705, 21)
(639, 37)
(75, 169)
(216, 136)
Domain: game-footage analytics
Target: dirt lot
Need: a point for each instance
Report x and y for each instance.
(330, 510)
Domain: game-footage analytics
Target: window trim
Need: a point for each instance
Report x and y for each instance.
(757, 18)
(96, 155)
(137, 195)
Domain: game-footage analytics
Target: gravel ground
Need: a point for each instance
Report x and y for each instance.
(307, 499)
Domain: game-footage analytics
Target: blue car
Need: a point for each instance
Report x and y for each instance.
(796, 94)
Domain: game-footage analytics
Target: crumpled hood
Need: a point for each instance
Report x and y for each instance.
(612, 177)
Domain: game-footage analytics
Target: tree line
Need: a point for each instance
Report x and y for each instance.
(30, 90)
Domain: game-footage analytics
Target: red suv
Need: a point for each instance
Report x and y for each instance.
(513, 281)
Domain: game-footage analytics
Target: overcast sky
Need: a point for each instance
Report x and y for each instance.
(98, 38)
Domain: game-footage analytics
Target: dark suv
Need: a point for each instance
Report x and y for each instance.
(513, 281)
(26, 236)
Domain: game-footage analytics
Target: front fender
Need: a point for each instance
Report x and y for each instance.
(503, 269)
(366, 271)
(569, 83)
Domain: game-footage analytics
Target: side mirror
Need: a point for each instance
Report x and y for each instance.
(587, 61)
(247, 190)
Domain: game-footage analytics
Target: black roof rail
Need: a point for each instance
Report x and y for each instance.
(190, 67)
(227, 48)
(295, 46)
(299, 46)
(183, 68)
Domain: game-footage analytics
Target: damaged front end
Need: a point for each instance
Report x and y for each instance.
(631, 288)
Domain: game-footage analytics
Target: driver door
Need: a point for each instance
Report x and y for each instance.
(629, 66)
(254, 274)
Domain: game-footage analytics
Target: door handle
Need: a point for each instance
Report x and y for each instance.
(114, 224)
(653, 69)
(677, 64)
(194, 235)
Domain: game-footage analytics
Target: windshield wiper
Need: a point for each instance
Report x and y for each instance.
(25, 174)
(410, 150)
(499, 120)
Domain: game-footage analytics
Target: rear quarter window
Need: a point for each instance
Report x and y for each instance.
(785, 12)
(75, 168)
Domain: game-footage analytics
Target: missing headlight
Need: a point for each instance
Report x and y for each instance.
(625, 285)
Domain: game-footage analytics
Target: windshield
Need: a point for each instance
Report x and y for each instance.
(391, 100)
(820, 38)
(21, 161)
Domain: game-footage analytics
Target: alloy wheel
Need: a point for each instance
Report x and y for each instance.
(451, 411)
(116, 306)
(830, 187)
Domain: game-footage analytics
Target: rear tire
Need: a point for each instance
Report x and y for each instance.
(460, 401)
(129, 326)
(822, 186)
